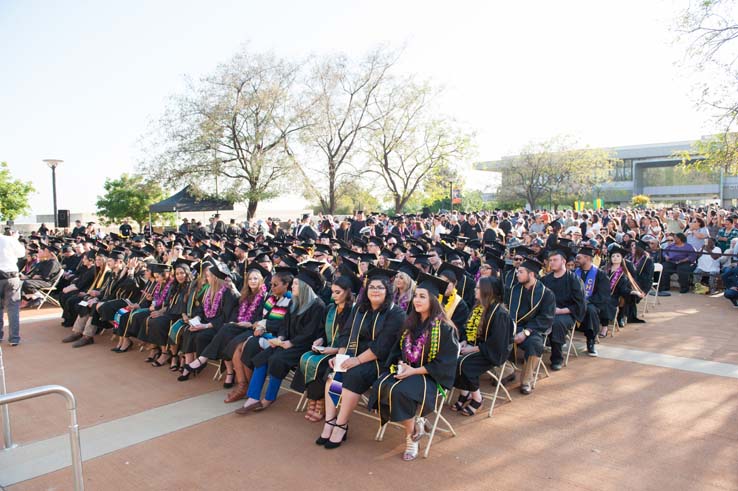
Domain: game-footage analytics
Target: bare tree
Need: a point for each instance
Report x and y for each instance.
(339, 94)
(408, 139)
(554, 167)
(234, 124)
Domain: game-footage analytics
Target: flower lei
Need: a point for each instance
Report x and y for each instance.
(414, 350)
(211, 306)
(160, 294)
(472, 324)
(247, 309)
(449, 302)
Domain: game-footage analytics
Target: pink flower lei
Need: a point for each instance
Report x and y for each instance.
(160, 294)
(211, 308)
(247, 309)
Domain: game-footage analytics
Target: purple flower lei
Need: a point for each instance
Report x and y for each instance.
(212, 308)
(247, 309)
(160, 294)
(414, 350)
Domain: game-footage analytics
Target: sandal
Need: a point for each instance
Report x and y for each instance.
(322, 441)
(460, 402)
(422, 428)
(174, 367)
(471, 408)
(411, 449)
(158, 363)
(156, 354)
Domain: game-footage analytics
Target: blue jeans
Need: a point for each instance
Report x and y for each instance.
(10, 299)
(257, 384)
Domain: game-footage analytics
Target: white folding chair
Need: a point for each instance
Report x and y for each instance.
(492, 396)
(46, 292)
(437, 417)
(615, 325)
(658, 269)
(570, 341)
(540, 362)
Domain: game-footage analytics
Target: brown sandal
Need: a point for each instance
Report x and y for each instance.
(237, 393)
(317, 414)
(310, 414)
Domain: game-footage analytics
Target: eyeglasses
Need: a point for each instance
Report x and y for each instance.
(376, 287)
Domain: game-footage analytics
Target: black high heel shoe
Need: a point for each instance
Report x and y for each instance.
(154, 356)
(331, 445)
(158, 363)
(226, 384)
(321, 441)
(175, 366)
(184, 376)
(118, 350)
(197, 370)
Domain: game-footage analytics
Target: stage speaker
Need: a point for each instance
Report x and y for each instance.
(62, 218)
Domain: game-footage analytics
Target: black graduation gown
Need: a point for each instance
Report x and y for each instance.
(230, 335)
(598, 304)
(619, 293)
(495, 344)
(509, 280)
(195, 342)
(532, 309)
(398, 400)
(377, 330)
(157, 330)
(460, 314)
(301, 330)
(569, 293)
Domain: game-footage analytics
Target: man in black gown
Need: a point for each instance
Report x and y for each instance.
(570, 303)
(597, 295)
(532, 307)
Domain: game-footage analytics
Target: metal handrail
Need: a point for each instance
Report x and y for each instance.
(22, 395)
(4, 410)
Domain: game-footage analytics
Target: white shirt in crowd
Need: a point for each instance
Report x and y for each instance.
(707, 264)
(10, 251)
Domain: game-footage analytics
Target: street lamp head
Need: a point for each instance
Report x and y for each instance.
(53, 162)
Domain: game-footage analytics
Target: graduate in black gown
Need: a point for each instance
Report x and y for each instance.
(532, 307)
(570, 304)
(597, 295)
(454, 306)
(219, 306)
(485, 342)
(421, 364)
(313, 370)
(641, 270)
(622, 285)
(301, 327)
(373, 329)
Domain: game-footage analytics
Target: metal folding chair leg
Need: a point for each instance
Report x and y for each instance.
(302, 403)
(498, 386)
(570, 341)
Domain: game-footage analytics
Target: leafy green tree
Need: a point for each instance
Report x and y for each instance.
(714, 154)
(14, 194)
(129, 197)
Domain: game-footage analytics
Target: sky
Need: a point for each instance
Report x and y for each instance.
(83, 81)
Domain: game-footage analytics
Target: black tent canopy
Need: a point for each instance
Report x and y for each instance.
(185, 201)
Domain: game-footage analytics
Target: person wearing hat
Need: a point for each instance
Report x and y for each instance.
(77, 286)
(43, 275)
(485, 343)
(454, 306)
(597, 295)
(641, 269)
(223, 345)
(570, 302)
(301, 327)
(372, 332)
(313, 369)
(219, 306)
(532, 307)
(423, 360)
(100, 274)
(622, 285)
(510, 277)
(305, 230)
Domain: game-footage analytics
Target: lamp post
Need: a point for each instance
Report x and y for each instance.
(53, 163)
(451, 195)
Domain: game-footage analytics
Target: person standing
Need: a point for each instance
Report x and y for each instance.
(10, 284)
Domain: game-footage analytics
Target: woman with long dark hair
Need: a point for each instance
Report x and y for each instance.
(622, 286)
(486, 342)
(371, 332)
(314, 367)
(423, 360)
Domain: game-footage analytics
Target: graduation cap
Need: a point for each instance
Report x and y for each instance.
(243, 247)
(376, 273)
(474, 243)
(346, 253)
(359, 242)
(640, 243)
(416, 251)
(228, 257)
(522, 250)
(367, 258)
(433, 284)
(182, 263)
(262, 257)
(347, 269)
(617, 249)
(353, 278)
(376, 241)
(532, 264)
(495, 261)
(312, 278)
(300, 251)
(159, 267)
(289, 262)
(586, 250)
(220, 270)
(138, 238)
(286, 269)
(404, 267)
(457, 272)
(462, 239)
(387, 253)
(255, 266)
(324, 248)
(117, 255)
(422, 259)
(312, 264)
(50, 247)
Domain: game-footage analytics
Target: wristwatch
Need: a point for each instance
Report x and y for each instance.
(526, 332)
